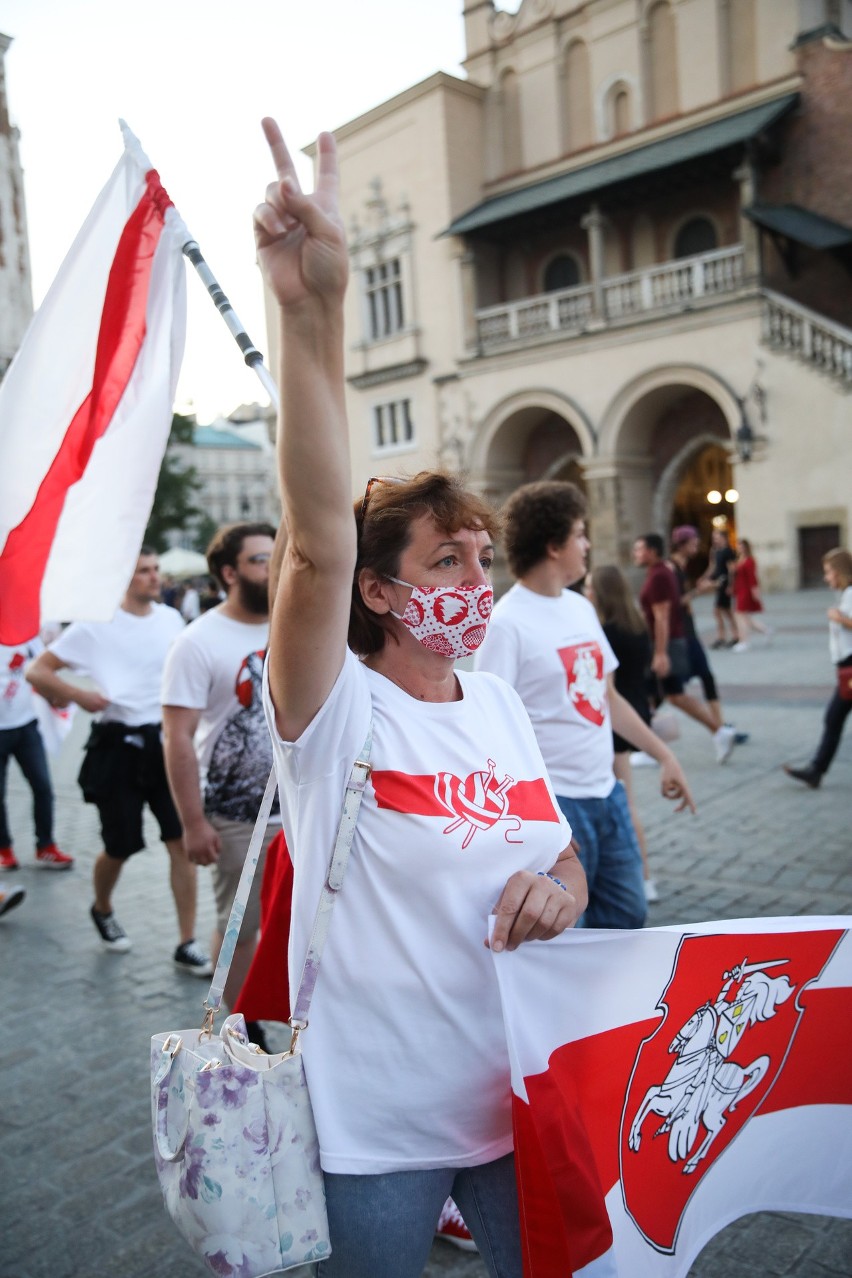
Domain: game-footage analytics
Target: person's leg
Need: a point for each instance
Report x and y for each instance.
(105, 876)
(836, 713)
(382, 1226)
(699, 668)
(487, 1198)
(183, 878)
(580, 816)
(696, 709)
(741, 625)
(183, 881)
(234, 837)
(6, 735)
(32, 760)
(619, 889)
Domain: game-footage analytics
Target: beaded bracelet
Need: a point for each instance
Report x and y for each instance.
(544, 875)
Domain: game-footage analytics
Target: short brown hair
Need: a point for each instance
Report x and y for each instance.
(841, 561)
(224, 549)
(538, 516)
(384, 531)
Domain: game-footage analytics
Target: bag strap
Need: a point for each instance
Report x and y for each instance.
(334, 881)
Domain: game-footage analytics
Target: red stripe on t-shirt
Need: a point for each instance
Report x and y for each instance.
(415, 794)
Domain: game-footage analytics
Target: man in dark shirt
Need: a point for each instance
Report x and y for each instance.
(660, 600)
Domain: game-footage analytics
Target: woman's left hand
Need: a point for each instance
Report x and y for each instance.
(533, 908)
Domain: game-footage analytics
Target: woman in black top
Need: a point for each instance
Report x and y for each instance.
(624, 627)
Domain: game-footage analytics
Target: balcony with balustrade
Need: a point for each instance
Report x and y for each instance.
(663, 289)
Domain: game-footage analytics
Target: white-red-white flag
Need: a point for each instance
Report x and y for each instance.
(86, 407)
(667, 1081)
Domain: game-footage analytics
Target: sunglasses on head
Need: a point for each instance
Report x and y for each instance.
(371, 483)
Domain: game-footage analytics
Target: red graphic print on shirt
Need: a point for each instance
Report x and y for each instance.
(16, 673)
(478, 801)
(584, 667)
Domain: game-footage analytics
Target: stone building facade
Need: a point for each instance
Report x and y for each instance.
(619, 252)
(16, 295)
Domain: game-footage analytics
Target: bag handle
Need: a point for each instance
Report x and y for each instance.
(162, 1081)
(334, 881)
(358, 778)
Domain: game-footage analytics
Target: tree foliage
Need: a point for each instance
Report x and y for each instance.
(177, 486)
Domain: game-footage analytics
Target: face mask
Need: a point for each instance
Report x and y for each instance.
(449, 620)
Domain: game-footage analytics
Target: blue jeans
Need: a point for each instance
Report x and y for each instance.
(383, 1226)
(25, 745)
(610, 855)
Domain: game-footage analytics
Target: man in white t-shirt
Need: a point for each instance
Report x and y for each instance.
(123, 767)
(21, 740)
(218, 751)
(546, 641)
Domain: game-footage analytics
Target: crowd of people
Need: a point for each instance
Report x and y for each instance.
(500, 808)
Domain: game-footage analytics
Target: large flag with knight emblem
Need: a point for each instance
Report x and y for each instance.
(668, 1081)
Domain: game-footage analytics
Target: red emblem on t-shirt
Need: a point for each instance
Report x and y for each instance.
(584, 667)
(475, 802)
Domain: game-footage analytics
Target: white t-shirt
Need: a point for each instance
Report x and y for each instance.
(125, 658)
(406, 1056)
(840, 637)
(17, 697)
(552, 650)
(216, 666)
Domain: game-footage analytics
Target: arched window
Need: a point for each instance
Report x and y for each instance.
(663, 94)
(510, 122)
(698, 235)
(576, 97)
(617, 111)
(561, 272)
(621, 112)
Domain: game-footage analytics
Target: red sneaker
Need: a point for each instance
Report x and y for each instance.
(50, 858)
(452, 1229)
(8, 860)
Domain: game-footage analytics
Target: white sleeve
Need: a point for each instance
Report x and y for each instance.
(74, 648)
(499, 653)
(187, 677)
(335, 734)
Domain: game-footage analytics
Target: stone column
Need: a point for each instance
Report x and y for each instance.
(593, 224)
(749, 233)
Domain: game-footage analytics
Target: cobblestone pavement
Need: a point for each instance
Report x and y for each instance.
(79, 1196)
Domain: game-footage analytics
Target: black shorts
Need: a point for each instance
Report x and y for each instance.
(723, 598)
(122, 771)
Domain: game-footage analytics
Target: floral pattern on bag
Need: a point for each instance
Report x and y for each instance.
(236, 1153)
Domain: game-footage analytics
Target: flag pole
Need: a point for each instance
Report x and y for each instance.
(252, 356)
(189, 247)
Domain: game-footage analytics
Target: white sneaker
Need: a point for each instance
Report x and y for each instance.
(740, 647)
(724, 740)
(651, 893)
(639, 759)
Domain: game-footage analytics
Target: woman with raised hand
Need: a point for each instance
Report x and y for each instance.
(405, 1056)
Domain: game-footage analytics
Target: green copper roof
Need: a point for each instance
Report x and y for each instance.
(209, 437)
(796, 223)
(689, 145)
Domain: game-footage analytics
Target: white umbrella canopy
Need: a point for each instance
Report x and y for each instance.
(178, 562)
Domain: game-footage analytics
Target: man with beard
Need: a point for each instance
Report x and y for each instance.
(123, 766)
(217, 746)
